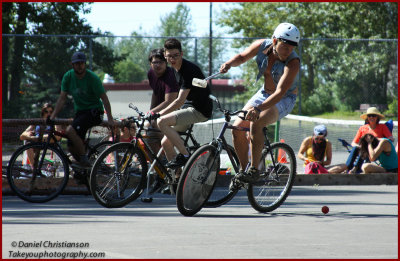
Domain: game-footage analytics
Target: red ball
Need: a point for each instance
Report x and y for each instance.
(325, 209)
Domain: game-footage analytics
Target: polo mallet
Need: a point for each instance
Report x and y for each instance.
(203, 83)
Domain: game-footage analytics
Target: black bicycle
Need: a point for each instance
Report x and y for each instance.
(120, 173)
(196, 186)
(44, 175)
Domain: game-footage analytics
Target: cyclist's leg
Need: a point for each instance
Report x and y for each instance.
(266, 118)
(77, 130)
(241, 142)
(166, 123)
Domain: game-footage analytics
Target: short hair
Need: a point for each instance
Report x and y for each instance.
(45, 107)
(172, 43)
(157, 53)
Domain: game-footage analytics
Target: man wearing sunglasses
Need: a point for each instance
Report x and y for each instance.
(90, 100)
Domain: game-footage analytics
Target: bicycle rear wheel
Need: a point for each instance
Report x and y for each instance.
(33, 183)
(118, 175)
(221, 194)
(197, 180)
(277, 174)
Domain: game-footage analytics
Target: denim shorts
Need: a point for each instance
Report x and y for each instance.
(284, 106)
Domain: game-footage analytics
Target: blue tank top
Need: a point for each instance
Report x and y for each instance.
(277, 68)
(389, 161)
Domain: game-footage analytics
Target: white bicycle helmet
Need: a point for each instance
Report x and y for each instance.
(288, 33)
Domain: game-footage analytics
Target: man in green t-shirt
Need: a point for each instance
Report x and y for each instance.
(89, 96)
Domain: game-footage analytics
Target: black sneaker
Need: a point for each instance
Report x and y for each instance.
(179, 161)
(250, 176)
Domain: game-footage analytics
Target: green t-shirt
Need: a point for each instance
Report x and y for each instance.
(86, 91)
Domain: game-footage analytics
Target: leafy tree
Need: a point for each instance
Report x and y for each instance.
(335, 75)
(38, 63)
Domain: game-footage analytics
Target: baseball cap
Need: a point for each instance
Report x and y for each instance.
(78, 57)
(320, 130)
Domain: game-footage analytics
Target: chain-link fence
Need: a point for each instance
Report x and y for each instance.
(336, 74)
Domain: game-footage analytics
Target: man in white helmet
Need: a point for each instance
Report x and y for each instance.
(279, 64)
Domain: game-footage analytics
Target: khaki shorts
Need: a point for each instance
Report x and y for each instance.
(186, 117)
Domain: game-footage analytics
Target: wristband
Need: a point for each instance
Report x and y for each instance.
(257, 109)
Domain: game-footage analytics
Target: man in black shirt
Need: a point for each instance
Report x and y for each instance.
(192, 104)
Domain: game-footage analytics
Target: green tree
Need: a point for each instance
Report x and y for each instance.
(335, 74)
(37, 64)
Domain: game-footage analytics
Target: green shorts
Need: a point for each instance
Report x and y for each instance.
(186, 117)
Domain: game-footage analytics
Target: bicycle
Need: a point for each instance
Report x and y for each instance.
(46, 177)
(196, 185)
(120, 173)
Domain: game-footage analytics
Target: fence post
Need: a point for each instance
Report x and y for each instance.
(277, 125)
(91, 53)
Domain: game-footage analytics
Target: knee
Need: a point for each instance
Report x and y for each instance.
(161, 123)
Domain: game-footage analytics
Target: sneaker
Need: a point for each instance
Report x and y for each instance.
(252, 175)
(179, 161)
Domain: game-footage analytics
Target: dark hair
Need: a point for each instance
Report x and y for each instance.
(157, 53)
(172, 43)
(318, 149)
(364, 144)
(45, 107)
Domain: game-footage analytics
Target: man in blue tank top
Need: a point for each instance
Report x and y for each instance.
(279, 64)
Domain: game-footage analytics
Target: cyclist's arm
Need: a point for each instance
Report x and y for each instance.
(59, 105)
(177, 103)
(107, 107)
(242, 57)
(168, 99)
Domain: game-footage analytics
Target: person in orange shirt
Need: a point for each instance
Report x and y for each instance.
(372, 126)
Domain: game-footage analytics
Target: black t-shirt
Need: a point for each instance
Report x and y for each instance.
(197, 97)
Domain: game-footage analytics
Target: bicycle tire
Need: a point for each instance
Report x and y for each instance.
(223, 195)
(93, 153)
(114, 188)
(97, 149)
(197, 180)
(47, 183)
(275, 183)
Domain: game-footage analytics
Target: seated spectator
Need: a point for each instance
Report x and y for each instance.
(316, 152)
(372, 126)
(32, 133)
(378, 149)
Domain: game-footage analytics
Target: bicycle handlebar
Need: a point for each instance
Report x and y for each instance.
(227, 112)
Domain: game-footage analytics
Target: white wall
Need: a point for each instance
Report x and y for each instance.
(120, 100)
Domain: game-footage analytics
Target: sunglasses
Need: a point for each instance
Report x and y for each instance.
(319, 138)
(50, 111)
(372, 115)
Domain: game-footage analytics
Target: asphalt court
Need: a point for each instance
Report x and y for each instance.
(362, 223)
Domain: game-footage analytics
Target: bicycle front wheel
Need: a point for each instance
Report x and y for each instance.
(222, 194)
(33, 182)
(277, 174)
(197, 180)
(118, 175)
